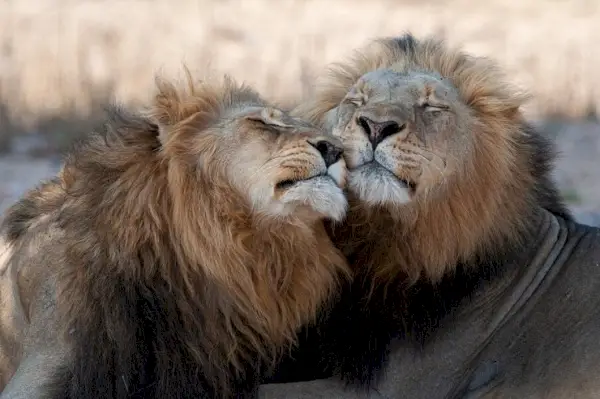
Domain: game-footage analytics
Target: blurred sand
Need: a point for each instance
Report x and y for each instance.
(62, 57)
(61, 61)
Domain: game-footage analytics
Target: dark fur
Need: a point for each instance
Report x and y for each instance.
(352, 339)
(150, 341)
(138, 319)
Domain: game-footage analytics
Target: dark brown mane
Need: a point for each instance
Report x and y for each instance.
(170, 283)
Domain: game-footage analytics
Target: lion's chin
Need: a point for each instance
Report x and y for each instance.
(320, 195)
(377, 186)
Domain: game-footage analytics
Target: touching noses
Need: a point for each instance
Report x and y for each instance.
(377, 131)
(331, 149)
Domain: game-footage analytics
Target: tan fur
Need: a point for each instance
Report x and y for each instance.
(187, 197)
(473, 184)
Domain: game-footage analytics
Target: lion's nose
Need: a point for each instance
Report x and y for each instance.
(331, 150)
(377, 131)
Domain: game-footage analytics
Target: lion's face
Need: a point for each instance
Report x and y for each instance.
(284, 166)
(437, 150)
(403, 134)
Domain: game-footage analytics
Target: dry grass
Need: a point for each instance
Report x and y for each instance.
(62, 59)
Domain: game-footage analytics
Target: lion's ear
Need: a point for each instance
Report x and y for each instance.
(173, 106)
(165, 109)
(270, 116)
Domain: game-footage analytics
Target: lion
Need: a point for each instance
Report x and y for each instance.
(471, 277)
(176, 254)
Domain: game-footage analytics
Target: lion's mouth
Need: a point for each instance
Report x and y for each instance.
(375, 169)
(285, 184)
(289, 183)
(412, 186)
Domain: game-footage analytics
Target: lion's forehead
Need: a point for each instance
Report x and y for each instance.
(387, 86)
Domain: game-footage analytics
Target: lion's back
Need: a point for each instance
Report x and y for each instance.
(29, 242)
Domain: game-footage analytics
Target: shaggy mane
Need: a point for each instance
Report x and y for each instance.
(170, 283)
(414, 265)
(489, 204)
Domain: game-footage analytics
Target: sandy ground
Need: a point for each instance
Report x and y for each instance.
(577, 169)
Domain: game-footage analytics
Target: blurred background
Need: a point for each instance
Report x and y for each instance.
(63, 61)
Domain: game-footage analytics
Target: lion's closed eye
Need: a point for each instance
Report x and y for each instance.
(270, 117)
(261, 124)
(356, 101)
(428, 107)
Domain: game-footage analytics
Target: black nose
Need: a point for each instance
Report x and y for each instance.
(377, 131)
(330, 152)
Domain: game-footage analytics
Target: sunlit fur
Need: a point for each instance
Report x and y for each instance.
(476, 167)
(185, 272)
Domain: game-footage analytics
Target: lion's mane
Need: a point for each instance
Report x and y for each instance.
(168, 287)
(499, 186)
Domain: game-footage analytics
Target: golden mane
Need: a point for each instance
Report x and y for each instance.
(164, 254)
(490, 200)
